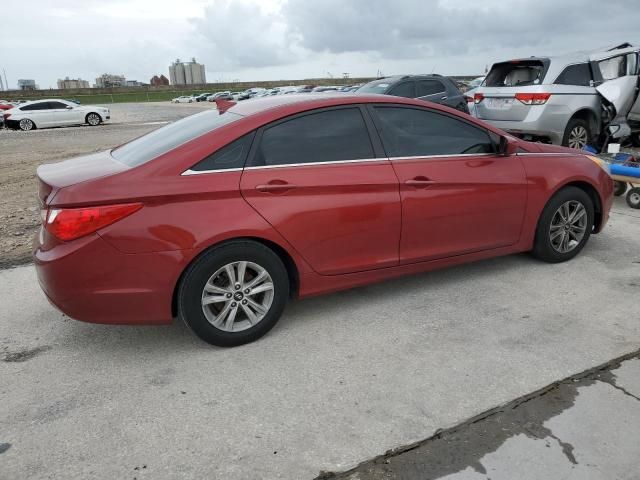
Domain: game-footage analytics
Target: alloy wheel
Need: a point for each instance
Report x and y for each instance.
(93, 119)
(26, 124)
(578, 137)
(568, 226)
(237, 296)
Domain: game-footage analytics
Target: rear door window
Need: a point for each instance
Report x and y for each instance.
(579, 74)
(328, 136)
(517, 73)
(411, 132)
(429, 87)
(404, 89)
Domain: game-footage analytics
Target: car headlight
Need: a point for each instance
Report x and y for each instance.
(601, 163)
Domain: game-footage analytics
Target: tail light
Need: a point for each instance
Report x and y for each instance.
(71, 223)
(533, 98)
(478, 97)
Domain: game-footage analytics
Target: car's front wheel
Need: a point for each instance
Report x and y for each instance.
(93, 119)
(564, 226)
(233, 294)
(26, 125)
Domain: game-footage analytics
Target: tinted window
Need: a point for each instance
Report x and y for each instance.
(377, 86)
(232, 155)
(430, 87)
(409, 132)
(575, 75)
(160, 141)
(35, 106)
(405, 89)
(56, 105)
(328, 136)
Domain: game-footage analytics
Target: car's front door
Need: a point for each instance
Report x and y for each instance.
(316, 179)
(64, 114)
(458, 196)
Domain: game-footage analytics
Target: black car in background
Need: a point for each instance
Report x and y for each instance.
(434, 88)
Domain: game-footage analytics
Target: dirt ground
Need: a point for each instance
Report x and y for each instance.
(22, 152)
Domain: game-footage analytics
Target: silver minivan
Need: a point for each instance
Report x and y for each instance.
(571, 100)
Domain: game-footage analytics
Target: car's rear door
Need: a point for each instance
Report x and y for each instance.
(39, 113)
(320, 181)
(63, 114)
(432, 90)
(458, 196)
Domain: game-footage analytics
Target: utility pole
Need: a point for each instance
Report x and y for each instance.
(6, 84)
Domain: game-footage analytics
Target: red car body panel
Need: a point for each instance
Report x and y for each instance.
(341, 225)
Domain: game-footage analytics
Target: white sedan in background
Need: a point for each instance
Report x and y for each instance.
(54, 113)
(183, 99)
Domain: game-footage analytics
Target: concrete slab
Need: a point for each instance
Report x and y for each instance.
(341, 379)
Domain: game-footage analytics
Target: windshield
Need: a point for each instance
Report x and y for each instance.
(377, 86)
(164, 139)
(516, 73)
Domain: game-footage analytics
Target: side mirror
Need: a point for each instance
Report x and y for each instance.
(508, 146)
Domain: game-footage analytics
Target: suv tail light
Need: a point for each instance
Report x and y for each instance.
(478, 97)
(71, 223)
(533, 98)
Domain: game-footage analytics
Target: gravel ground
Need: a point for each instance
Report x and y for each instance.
(22, 152)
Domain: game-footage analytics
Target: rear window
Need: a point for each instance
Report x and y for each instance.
(516, 73)
(160, 141)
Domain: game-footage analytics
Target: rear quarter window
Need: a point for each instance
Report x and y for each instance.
(579, 74)
(162, 140)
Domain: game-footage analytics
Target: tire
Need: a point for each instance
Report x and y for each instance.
(619, 188)
(633, 197)
(26, 125)
(552, 221)
(93, 119)
(635, 139)
(209, 321)
(577, 134)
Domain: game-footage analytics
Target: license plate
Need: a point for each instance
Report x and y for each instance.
(499, 103)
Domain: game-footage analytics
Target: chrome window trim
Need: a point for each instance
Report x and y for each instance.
(202, 172)
(549, 154)
(444, 156)
(310, 164)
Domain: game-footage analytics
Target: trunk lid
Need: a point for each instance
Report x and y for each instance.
(54, 176)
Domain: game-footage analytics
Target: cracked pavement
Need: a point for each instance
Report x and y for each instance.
(584, 427)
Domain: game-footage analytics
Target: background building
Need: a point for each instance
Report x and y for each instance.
(133, 83)
(187, 73)
(106, 80)
(157, 81)
(70, 83)
(27, 84)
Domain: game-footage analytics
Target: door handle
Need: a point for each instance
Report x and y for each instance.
(444, 98)
(420, 182)
(275, 186)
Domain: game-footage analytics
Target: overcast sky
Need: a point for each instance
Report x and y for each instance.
(293, 39)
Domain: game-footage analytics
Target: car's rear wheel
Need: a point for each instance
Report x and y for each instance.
(93, 119)
(26, 125)
(564, 226)
(234, 293)
(633, 197)
(577, 134)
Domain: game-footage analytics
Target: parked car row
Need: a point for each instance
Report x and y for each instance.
(57, 112)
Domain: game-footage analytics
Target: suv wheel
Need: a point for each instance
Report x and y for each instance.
(577, 134)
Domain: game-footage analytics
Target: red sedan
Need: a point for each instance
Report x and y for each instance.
(222, 217)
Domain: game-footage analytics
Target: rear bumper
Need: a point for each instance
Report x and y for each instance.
(89, 280)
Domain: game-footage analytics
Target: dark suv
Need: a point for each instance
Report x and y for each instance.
(434, 88)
